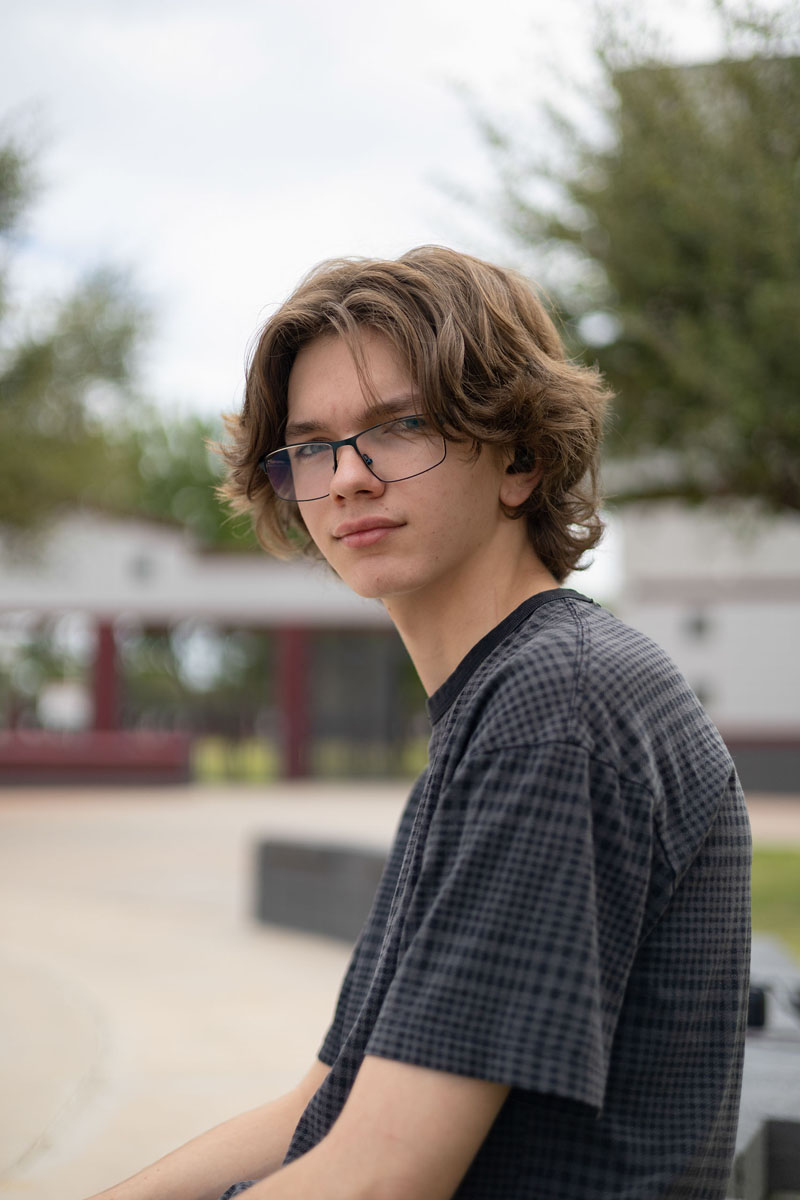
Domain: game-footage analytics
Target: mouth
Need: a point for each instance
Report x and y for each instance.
(365, 532)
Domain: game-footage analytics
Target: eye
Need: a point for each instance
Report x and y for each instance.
(309, 450)
(412, 424)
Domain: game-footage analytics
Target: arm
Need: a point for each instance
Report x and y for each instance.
(249, 1146)
(404, 1131)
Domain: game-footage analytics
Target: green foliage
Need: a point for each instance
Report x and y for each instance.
(173, 473)
(73, 428)
(16, 186)
(244, 760)
(776, 894)
(197, 677)
(680, 224)
(58, 385)
(64, 370)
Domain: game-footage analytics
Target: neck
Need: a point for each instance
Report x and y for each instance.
(439, 628)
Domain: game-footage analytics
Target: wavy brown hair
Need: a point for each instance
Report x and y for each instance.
(490, 368)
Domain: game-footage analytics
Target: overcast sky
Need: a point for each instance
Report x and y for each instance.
(219, 150)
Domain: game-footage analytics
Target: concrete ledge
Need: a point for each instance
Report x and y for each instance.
(767, 765)
(319, 888)
(769, 1164)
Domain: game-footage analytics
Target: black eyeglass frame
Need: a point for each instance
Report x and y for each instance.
(350, 441)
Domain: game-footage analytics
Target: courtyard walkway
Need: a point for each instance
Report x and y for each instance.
(139, 1001)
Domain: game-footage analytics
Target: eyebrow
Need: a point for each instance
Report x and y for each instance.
(372, 414)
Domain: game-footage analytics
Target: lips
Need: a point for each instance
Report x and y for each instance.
(364, 532)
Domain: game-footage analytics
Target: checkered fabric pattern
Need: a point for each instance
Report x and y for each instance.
(565, 910)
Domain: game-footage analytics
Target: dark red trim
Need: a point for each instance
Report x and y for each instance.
(293, 694)
(104, 680)
(37, 756)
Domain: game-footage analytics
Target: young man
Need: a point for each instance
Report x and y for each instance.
(548, 997)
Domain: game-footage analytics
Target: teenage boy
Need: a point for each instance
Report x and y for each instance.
(548, 997)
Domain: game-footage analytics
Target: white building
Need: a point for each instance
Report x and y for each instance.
(718, 589)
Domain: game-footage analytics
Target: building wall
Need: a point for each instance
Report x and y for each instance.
(742, 659)
(93, 563)
(719, 589)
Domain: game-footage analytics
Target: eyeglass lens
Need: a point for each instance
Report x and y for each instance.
(394, 450)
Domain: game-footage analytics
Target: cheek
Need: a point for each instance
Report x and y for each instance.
(306, 520)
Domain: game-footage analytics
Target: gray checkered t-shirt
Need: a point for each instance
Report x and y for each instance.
(566, 911)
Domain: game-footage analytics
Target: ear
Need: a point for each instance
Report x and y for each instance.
(520, 478)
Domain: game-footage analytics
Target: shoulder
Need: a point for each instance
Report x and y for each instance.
(539, 681)
(575, 673)
(575, 692)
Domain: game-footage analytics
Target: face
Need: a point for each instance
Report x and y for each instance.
(418, 537)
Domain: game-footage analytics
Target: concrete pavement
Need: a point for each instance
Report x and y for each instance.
(139, 1002)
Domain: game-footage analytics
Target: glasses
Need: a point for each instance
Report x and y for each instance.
(394, 450)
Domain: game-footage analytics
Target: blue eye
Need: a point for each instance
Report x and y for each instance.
(411, 424)
(310, 450)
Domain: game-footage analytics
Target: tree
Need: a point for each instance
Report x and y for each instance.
(65, 371)
(671, 243)
(172, 473)
(73, 428)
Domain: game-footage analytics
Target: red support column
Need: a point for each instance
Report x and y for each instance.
(105, 678)
(293, 654)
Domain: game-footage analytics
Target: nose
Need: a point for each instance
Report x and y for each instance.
(352, 475)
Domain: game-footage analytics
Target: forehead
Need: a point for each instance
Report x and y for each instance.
(332, 381)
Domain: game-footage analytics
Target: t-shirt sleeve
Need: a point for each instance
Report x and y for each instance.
(523, 923)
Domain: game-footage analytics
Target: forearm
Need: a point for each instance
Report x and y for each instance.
(249, 1146)
(404, 1131)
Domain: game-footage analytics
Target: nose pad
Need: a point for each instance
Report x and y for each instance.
(341, 482)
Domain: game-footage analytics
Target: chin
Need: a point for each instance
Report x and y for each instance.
(368, 589)
(377, 585)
